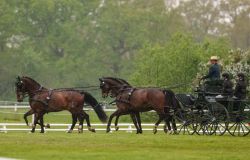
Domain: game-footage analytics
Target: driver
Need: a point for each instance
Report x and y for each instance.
(214, 70)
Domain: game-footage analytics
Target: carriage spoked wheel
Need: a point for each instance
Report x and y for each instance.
(185, 119)
(213, 119)
(240, 126)
(205, 121)
(221, 116)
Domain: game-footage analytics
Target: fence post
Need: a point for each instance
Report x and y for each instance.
(4, 129)
(69, 126)
(15, 108)
(129, 128)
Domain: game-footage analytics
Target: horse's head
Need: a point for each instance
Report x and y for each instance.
(21, 89)
(105, 87)
(110, 86)
(25, 85)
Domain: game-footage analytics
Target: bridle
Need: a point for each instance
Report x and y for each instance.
(19, 88)
(110, 88)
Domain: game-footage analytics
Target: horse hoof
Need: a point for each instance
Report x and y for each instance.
(116, 128)
(80, 131)
(165, 130)
(108, 130)
(69, 131)
(47, 126)
(42, 132)
(155, 131)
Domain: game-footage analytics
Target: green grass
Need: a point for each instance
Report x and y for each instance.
(122, 145)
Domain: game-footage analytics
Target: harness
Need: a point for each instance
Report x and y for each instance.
(46, 101)
(126, 99)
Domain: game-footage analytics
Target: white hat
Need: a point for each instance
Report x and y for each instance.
(214, 58)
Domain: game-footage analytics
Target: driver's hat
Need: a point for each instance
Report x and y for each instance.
(214, 58)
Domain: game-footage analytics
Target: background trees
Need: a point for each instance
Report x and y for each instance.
(64, 43)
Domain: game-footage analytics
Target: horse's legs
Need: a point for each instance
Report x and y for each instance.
(116, 123)
(167, 126)
(134, 119)
(137, 114)
(41, 123)
(174, 124)
(86, 116)
(30, 112)
(81, 119)
(110, 120)
(37, 117)
(161, 117)
(74, 120)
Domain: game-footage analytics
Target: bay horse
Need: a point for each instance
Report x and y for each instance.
(135, 116)
(134, 100)
(43, 100)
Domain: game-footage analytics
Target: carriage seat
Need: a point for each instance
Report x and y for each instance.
(213, 86)
(187, 100)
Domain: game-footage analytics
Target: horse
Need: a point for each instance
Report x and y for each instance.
(135, 116)
(43, 100)
(134, 100)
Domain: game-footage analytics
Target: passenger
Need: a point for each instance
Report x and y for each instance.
(241, 87)
(240, 92)
(227, 89)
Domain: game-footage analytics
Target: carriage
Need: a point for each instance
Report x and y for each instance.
(207, 112)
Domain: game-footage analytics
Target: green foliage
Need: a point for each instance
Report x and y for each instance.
(63, 43)
(169, 64)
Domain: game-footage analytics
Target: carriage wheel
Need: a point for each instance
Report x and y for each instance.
(206, 122)
(222, 118)
(239, 127)
(186, 121)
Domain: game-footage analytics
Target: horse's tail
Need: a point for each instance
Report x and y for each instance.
(89, 99)
(171, 100)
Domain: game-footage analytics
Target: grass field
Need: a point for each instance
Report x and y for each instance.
(121, 145)
(116, 145)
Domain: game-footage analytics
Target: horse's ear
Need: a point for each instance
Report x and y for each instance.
(100, 79)
(18, 78)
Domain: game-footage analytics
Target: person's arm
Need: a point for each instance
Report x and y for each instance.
(210, 73)
(228, 88)
(236, 90)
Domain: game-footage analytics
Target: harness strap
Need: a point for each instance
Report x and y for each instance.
(40, 101)
(49, 94)
(130, 93)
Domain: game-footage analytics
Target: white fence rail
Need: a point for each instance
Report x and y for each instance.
(128, 127)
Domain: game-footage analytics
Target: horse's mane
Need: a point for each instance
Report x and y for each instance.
(31, 80)
(119, 80)
(124, 81)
